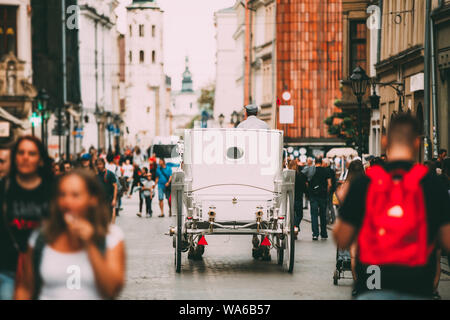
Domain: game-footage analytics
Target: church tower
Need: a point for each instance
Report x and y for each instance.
(187, 85)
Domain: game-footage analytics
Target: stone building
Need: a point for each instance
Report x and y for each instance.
(16, 90)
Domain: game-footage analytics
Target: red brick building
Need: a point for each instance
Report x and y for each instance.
(309, 63)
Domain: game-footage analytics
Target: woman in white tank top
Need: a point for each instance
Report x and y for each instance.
(77, 255)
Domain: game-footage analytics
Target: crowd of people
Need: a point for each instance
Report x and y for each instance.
(58, 218)
(344, 187)
(58, 215)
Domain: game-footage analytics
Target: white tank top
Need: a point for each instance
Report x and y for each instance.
(70, 276)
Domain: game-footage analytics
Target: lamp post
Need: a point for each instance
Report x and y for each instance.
(42, 107)
(109, 126)
(360, 82)
(98, 118)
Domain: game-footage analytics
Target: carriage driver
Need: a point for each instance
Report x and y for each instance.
(252, 122)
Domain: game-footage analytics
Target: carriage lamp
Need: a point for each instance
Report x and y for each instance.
(212, 213)
(190, 214)
(259, 214)
(276, 213)
(212, 217)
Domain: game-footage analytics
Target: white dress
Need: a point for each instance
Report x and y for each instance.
(70, 276)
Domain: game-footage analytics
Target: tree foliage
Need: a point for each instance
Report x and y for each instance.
(344, 126)
(206, 99)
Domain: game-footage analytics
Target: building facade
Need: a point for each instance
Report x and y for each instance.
(185, 101)
(414, 52)
(227, 95)
(145, 77)
(441, 30)
(99, 72)
(308, 66)
(16, 90)
(262, 58)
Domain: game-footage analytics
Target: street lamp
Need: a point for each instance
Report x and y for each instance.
(360, 82)
(109, 128)
(42, 107)
(98, 118)
(374, 98)
(221, 119)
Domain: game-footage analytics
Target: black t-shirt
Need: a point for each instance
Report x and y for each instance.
(412, 280)
(300, 185)
(319, 183)
(107, 179)
(25, 209)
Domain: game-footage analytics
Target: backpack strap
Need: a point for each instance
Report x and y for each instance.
(413, 177)
(380, 179)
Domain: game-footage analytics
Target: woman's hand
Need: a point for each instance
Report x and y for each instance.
(80, 228)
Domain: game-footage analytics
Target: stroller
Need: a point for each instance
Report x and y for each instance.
(343, 263)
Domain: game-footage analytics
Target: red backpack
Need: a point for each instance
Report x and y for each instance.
(394, 230)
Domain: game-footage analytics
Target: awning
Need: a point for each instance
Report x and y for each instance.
(341, 152)
(24, 124)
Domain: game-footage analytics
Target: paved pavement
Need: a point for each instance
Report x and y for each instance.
(227, 270)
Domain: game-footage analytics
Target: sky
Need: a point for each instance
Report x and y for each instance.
(188, 30)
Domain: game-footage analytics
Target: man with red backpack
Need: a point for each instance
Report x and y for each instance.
(399, 213)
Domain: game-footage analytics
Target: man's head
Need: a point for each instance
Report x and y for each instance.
(251, 110)
(85, 160)
(162, 162)
(110, 158)
(442, 154)
(67, 166)
(5, 161)
(100, 163)
(403, 138)
(319, 161)
(309, 161)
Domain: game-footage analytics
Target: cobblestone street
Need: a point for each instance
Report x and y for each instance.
(227, 270)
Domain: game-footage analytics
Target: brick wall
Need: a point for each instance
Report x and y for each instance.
(309, 59)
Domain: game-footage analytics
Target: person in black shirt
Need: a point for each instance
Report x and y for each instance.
(398, 281)
(300, 189)
(109, 182)
(24, 203)
(319, 187)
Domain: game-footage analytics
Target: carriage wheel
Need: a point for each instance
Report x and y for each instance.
(289, 239)
(280, 252)
(179, 244)
(335, 277)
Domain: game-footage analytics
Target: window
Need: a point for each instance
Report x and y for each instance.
(141, 30)
(141, 56)
(131, 30)
(8, 30)
(153, 31)
(358, 41)
(235, 153)
(153, 56)
(130, 56)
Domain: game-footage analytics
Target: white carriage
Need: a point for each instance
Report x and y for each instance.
(233, 181)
